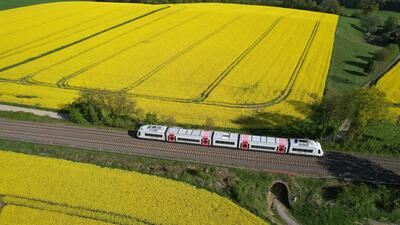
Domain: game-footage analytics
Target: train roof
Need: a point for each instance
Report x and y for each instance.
(225, 136)
(153, 128)
(263, 139)
(300, 142)
(189, 132)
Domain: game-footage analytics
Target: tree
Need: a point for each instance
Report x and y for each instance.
(151, 118)
(371, 23)
(99, 108)
(369, 6)
(326, 115)
(362, 106)
(391, 24)
(330, 6)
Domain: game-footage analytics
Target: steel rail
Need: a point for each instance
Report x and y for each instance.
(333, 164)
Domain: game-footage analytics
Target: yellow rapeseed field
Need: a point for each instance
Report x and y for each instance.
(390, 84)
(109, 194)
(189, 61)
(15, 215)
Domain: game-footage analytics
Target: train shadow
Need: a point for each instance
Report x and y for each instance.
(132, 133)
(349, 167)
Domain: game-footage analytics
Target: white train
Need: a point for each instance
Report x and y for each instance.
(295, 146)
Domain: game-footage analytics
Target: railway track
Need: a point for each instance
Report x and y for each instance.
(333, 164)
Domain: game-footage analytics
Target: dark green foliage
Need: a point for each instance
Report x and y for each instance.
(360, 107)
(370, 23)
(348, 203)
(391, 24)
(330, 6)
(151, 118)
(382, 59)
(382, 54)
(116, 110)
(327, 116)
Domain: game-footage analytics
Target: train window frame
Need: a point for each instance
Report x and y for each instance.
(302, 150)
(225, 142)
(153, 135)
(263, 147)
(188, 139)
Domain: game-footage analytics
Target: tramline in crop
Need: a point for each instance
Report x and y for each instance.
(198, 57)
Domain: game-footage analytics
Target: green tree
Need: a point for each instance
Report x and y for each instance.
(391, 24)
(368, 6)
(362, 106)
(326, 115)
(371, 23)
(99, 108)
(330, 6)
(151, 118)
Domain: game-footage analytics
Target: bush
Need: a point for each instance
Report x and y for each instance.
(391, 24)
(371, 23)
(116, 110)
(151, 118)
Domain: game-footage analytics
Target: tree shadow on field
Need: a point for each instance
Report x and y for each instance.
(341, 80)
(361, 65)
(366, 58)
(277, 124)
(356, 73)
(357, 27)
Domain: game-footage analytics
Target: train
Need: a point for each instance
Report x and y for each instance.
(246, 142)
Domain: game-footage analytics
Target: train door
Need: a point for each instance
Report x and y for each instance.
(205, 141)
(244, 145)
(171, 138)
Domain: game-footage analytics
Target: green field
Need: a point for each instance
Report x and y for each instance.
(350, 56)
(352, 53)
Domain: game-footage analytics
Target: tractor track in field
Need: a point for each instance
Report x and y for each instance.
(49, 21)
(77, 211)
(17, 49)
(331, 165)
(60, 48)
(179, 54)
(288, 88)
(285, 93)
(61, 82)
(64, 81)
(227, 70)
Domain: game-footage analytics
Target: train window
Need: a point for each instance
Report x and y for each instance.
(263, 147)
(188, 139)
(225, 142)
(139, 133)
(302, 150)
(319, 151)
(153, 135)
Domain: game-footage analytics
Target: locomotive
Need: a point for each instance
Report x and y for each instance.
(294, 146)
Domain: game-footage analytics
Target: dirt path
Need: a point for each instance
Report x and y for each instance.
(284, 214)
(38, 112)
